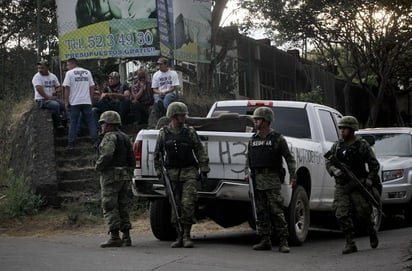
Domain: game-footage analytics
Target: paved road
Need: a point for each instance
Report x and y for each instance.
(223, 252)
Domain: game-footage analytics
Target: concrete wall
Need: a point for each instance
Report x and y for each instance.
(33, 153)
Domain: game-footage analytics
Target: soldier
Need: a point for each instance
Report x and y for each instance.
(115, 163)
(183, 155)
(355, 153)
(265, 151)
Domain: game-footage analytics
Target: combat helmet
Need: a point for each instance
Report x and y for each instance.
(110, 117)
(265, 113)
(176, 108)
(349, 122)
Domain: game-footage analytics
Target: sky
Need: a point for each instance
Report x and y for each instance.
(233, 14)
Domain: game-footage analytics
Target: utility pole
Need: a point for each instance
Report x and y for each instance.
(38, 29)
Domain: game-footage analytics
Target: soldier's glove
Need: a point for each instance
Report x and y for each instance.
(368, 183)
(336, 172)
(203, 177)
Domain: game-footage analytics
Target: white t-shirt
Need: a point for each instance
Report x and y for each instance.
(48, 82)
(79, 80)
(164, 80)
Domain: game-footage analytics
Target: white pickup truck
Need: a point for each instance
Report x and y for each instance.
(310, 130)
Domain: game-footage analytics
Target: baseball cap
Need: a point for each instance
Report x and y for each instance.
(43, 62)
(162, 60)
(114, 75)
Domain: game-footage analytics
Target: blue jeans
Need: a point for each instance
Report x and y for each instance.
(167, 99)
(86, 111)
(55, 106)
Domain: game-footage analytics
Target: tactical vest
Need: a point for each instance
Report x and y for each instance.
(122, 156)
(350, 156)
(264, 153)
(179, 149)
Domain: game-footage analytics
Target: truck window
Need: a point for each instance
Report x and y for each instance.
(328, 126)
(291, 122)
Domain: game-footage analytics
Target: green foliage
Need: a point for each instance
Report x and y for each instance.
(18, 23)
(366, 39)
(314, 96)
(18, 199)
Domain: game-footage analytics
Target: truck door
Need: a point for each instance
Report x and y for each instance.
(330, 134)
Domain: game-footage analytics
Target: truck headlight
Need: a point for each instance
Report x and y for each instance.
(392, 175)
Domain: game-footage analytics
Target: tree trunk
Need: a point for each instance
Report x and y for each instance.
(346, 94)
(376, 106)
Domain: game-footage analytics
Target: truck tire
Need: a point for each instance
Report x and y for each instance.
(160, 213)
(298, 216)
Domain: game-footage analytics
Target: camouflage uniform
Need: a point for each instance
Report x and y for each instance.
(267, 181)
(183, 180)
(115, 163)
(351, 203)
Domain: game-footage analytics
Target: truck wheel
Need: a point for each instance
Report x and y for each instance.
(160, 213)
(298, 216)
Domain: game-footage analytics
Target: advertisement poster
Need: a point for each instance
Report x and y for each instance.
(166, 27)
(192, 30)
(107, 28)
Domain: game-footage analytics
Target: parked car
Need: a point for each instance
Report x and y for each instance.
(393, 148)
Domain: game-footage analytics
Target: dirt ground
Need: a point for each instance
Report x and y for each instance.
(55, 222)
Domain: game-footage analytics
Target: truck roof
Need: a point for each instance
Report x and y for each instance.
(386, 130)
(269, 103)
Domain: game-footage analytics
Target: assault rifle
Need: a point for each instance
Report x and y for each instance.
(169, 191)
(252, 198)
(353, 180)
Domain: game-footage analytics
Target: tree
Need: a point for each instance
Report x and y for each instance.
(20, 32)
(18, 23)
(373, 34)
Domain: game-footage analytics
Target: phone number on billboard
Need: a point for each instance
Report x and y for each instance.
(123, 39)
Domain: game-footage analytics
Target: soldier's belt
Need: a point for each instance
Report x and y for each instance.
(265, 170)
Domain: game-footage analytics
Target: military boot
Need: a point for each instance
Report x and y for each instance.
(179, 239)
(264, 244)
(373, 239)
(114, 240)
(350, 246)
(284, 246)
(126, 240)
(187, 242)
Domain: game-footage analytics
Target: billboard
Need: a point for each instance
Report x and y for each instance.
(107, 28)
(178, 29)
(192, 30)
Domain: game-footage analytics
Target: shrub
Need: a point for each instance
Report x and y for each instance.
(18, 199)
(314, 96)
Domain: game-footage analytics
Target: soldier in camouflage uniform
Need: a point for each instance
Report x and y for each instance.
(115, 162)
(355, 153)
(265, 151)
(183, 155)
